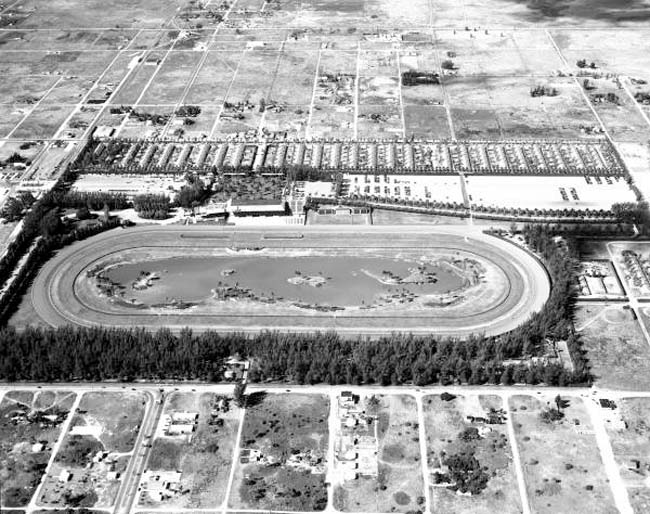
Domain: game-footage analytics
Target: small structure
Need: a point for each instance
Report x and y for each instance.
(357, 448)
(65, 476)
(180, 429)
(160, 485)
(250, 455)
(104, 132)
(605, 403)
(180, 424)
(236, 369)
(37, 447)
(100, 456)
(612, 414)
(263, 207)
(348, 399)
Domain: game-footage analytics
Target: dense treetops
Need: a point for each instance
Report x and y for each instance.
(73, 353)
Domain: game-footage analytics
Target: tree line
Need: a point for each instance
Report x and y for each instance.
(43, 228)
(96, 354)
(77, 353)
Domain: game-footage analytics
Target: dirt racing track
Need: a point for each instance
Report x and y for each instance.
(517, 287)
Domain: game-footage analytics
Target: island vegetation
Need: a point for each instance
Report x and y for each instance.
(100, 353)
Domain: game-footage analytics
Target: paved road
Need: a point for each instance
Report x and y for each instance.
(33, 504)
(127, 495)
(522, 286)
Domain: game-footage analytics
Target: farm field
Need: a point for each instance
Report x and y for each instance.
(560, 459)
(96, 450)
(452, 437)
(30, 425)
(355, 70)
(203, 455)
(296, 80)
(282, 459)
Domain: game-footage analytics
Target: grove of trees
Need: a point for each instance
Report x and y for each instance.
(152, 206)
(73, 353)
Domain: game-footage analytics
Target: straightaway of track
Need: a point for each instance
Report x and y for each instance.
(55, 299)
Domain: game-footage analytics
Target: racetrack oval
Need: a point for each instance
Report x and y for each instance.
(516, 286)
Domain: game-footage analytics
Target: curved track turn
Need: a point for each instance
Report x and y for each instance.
(56, 301)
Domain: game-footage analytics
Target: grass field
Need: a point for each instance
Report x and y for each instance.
(618, 353)
(447, 435)
(562, 467)
(206, 459)
(282, 457)
(21, 467)
(388, 217)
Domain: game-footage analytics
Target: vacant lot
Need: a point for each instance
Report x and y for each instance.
(452, 436)
(631, 446)
(30, 425)
(562, 466)
(282, 457)
(618, 353)
(95, 451)
(205, 460)
(399, 485)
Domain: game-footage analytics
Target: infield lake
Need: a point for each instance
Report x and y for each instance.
(319, 280)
